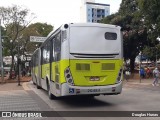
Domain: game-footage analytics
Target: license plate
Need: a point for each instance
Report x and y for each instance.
(94, 78)
(93, 90)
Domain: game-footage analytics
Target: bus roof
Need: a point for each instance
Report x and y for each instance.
(94, 25)
(62, 27)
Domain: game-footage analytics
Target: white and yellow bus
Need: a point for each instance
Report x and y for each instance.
(80, 59)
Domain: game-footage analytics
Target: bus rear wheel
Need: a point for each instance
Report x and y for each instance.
(38, 87)
(50, 95)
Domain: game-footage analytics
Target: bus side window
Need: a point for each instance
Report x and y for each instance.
(110, 36)
(41, 55)
(47, 52)
(36, 59)
(44, 52)
(57, 47)
(53, 51)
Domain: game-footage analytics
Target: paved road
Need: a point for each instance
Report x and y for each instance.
(135, 97)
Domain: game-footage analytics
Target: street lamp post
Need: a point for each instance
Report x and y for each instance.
(18, 65)
(1, 54)
(156, 57)
(18, 72)
(158, 38)
(140, 66)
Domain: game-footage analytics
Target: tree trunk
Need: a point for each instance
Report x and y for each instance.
(132, 63)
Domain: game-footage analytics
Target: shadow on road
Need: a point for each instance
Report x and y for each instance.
(83, 101)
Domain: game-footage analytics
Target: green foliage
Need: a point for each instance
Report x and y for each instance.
(15, 21)
(36, 29)
(152, 52)
(42, 29)
(129, 17)
(151, 11)
(140, 20)
(151, 14)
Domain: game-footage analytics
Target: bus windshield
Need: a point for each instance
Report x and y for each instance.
(94, 40)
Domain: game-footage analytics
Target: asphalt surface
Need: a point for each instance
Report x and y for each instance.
(136, 96)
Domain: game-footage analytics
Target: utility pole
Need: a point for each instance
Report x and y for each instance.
(1, 54)
(156, 57)
(140, 66)
(18, 65)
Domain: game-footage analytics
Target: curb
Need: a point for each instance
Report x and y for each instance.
(13, 81)
(138, 83)
(25, 86)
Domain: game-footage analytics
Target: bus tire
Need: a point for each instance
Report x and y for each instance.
(33, 81)
(38, 87)
(50, 95)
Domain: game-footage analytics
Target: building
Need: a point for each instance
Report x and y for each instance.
(93, 12)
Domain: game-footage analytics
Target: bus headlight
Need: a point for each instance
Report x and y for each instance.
(68, 76)
(119, 76)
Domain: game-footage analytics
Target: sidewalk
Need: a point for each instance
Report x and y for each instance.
(11, 87)
(134, 79)
(139, 82)
(145, 84)
(22, 79)
(12, 84)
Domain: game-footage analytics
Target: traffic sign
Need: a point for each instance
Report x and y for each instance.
(37, 39)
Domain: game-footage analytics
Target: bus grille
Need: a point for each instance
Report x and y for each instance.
(108, 66)
(82, 66)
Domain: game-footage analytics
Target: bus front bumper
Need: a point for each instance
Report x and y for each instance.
(68, 90)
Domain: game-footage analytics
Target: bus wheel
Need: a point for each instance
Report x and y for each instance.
(50, 95)
(34, 83)
(38, 87)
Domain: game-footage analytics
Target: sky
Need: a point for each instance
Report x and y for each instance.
(57, 12)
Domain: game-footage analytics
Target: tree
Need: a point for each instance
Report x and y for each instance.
(151, 16)
(134, 31)
(15, 21)
(36, 29)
